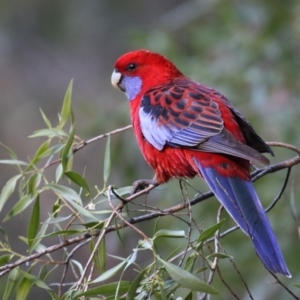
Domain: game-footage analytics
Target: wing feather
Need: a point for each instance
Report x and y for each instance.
(182, 114)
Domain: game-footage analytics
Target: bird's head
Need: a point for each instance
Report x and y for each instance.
(137, 71)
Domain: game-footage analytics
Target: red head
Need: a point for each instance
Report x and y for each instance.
(139, 70)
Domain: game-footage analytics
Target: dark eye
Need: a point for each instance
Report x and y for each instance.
(131, 67)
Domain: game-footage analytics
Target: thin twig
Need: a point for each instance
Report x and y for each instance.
(285, 287)
(269, 169)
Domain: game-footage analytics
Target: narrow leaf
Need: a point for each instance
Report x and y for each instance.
(63, 232)
(58, 220)
(107, 289)
(4, 259)
(65, 192)
(41, 233)
(81, 209)
(34, 223)
(34, 280)
(43, 272)
(111, 272)
(46, 120)
(186, 279)
(50, 133)
(218, 255)
(33, 182)
(11, 284)
(106, 169)
(169, 233)
(13, 162)
(11, 153)
(39, 153)
(58, 173)
(78, 265)
(100, 256)
(66, 107)
(66, 152)
(209, 232)
(134, 285)
(8, 189)
(20, 206)
(78, 179)
(23, 289)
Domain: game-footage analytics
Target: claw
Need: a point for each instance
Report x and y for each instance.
(141, 184)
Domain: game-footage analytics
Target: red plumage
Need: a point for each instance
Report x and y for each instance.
(177, 162)
(184, 128)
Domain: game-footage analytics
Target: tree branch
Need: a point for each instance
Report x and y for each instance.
(287, 164)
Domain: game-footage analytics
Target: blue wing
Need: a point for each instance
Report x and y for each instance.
(239, 198)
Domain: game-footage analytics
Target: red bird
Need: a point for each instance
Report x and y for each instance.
(184, 128)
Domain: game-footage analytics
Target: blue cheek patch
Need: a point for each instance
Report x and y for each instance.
(132, 86)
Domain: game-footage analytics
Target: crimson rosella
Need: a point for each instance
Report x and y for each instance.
(184, 128)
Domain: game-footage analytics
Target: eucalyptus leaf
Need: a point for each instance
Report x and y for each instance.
(66, 107)
(186, 279)
(20, 206)
(34, 223)
(8, 189)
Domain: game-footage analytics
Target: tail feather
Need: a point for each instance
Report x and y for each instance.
(239, 198)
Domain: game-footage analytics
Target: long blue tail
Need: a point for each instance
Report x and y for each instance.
(242, 203)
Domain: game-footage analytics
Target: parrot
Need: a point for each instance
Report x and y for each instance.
(184, 128)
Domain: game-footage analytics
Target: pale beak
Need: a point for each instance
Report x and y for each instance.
(116, 78)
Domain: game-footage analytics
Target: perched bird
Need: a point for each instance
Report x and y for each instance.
(185, 128)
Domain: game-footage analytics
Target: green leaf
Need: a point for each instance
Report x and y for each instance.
(39, 153)
(63, 232)
(13, 162)
(65, 192)
(218, 255)
(111, 272)
(54, 149)
(82, 210)
(78, 179)
(134, 285)
(43, 272)
(67, 152)
(169, 233)
(20, 206)
(41, 233)
(11, 153)
(66, 107)
(34, 280)
(58, 220)
(58, 173)
(4, 235)
(100, 256)
(33, 182)
(47, 122)
(209, 232)
(11, 284)
(189, 296)
(50, 133)
(8, 189)
(94, 225)
(107, 289)
(78, 265)
(34, 223)
(23, 289)
(186, 279)
(106, 169)
(4, 259)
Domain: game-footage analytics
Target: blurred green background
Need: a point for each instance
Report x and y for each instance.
(248, 50)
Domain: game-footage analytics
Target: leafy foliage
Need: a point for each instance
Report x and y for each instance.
(80, 219)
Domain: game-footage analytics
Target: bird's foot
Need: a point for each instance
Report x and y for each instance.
(141, 184)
